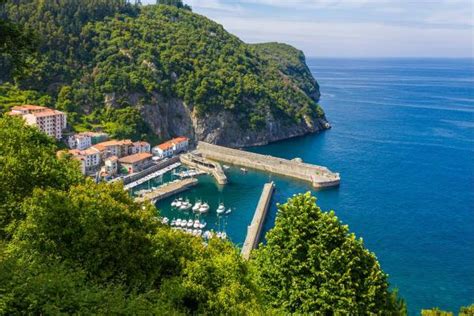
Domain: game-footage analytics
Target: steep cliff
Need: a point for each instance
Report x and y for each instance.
(164, 71)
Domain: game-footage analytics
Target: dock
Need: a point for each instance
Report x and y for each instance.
(151, 176)
(318, 176)
(167, 190)
(205, 165)
(255, 228)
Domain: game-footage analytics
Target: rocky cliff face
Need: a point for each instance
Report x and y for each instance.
(169, 117)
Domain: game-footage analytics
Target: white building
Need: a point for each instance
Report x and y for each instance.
(49, 121)
(171, 147)
(79, 141)
(140, 147)
(89, 158)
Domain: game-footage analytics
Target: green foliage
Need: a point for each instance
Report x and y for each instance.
(11, 95)
(312, 264)
(96, 48)
(435, 312)
(17, 44)
(28, 161)
(97, 228)
(76, 247)
(176, 3)
(467, 310)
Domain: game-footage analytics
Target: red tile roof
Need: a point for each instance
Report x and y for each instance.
(168, 144)
(135, 158)
(102, 146)
(29, 107)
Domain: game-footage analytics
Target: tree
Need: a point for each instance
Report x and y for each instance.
(467, 310)
(28, 161)
(16, 45)
(312, 264)
(176, 3)
(435, 312)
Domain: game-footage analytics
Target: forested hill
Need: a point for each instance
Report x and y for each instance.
(159, 71)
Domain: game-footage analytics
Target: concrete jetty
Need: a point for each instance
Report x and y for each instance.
(255, 228)
(318, 176)
(203, 164)
(167, 190)
(151, 176)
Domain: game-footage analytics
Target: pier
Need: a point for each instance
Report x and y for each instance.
(318, 176)
(255, 228)
(167, 190)
(151, 176)
(205, 165)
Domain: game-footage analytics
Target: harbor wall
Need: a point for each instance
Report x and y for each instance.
(318, 176)
(205, 165)
(254, 230)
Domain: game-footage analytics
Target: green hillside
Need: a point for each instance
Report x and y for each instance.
(105, 56)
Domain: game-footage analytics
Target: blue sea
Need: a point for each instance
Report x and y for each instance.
(403, 141)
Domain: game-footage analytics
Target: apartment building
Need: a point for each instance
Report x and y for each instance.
(49, 121)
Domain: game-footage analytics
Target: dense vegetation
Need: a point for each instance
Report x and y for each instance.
(68, 245)
(100, 56)
(312, 263)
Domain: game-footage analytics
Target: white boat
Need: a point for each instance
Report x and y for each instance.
(196, 223)
(178, 222)
(185, 205)
(221, 208)
(190, 223)
(184, 223)
(223, 235)
(204, 208)
(219, 235)
(173, 222)
(196, 206)
(173, 204)
(225, 166)
(202, 225)
(165, 220)
(228, 211)
(178, 203)
(243, 170)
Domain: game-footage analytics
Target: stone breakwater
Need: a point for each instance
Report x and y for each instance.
(255, 228)
(318, 176)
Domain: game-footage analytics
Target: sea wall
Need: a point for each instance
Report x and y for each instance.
(319, 176)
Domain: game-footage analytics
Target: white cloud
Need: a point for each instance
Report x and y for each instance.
(353, 39)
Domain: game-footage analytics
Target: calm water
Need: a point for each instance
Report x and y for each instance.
(403, 141)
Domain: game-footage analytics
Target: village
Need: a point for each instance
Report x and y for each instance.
(99, 156)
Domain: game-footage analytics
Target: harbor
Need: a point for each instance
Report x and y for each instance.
(254, 230)
(318, 176)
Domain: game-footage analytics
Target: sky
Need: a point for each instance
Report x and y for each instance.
(350, 28)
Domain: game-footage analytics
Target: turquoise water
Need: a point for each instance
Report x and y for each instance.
(403, 141)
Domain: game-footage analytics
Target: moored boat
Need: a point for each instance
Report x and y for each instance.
(221, 208)
(204, 208)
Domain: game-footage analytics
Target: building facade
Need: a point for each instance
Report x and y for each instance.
(171, 147)
(137, 162)
(49, 121)
(89, 158)
(139, 147)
